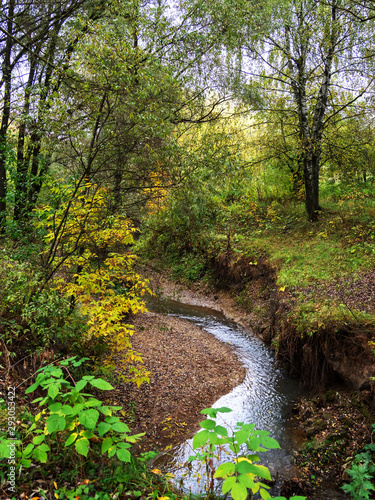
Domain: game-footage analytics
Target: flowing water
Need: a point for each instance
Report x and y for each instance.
(264, 397)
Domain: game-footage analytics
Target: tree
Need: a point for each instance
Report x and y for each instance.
(36, 49)
(308, 52)
(313, 50)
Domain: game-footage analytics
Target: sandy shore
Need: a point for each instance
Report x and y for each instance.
(190, 369)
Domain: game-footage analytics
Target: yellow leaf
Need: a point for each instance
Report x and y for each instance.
(156, 471)
(282, 289)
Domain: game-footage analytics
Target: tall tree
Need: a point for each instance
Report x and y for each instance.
(309, 52)
(36, 48)
(314, 49)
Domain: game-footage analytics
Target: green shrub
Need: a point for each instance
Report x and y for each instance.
(33, 316)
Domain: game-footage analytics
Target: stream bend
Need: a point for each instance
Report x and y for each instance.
(263, 398)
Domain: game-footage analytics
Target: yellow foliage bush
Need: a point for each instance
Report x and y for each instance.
(89, 259)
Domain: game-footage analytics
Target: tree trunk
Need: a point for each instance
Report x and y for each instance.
(21, 185)
(7, 78)
(311, 175)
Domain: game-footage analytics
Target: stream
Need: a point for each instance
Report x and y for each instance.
(264, 397)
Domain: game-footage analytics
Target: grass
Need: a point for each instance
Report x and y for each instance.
(341, 243)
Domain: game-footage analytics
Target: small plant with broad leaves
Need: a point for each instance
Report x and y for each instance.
(241, 476)
(362, 474)
(72, 419)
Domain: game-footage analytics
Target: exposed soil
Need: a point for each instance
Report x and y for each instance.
(190, 370)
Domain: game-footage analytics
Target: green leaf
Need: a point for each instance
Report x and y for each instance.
(88, 377)
(270, 443)
(122, 452)
(120, 427)
(92, 402)
(112, 451)
(87, 434)
(245, 467)
(61, 423)
(224, 409)
(66, 362)
(39, 439)
(208, 424)
(5, 449)
(82, 446)
(106, 410)
(89, 418)
(248, 427)
(55, 407)
(112, 420)
(241, 437)
(234, 447)
(219, 429)
(71, 439)
(200, 439)
(123, 455)
(135, 437)
(211, 412)
(81, 384)
(263, 472)
(239, 492)
(106, 444)
(40, 455)
(32, 388)
(226, 469)
(28, 450)
(43, 447)
(53, 390)
(52, 423)
(254, 443)
(99, 383)
(77, 408)
(80, 361)
(246, 481)
(228, 484)
(264, 494)
(103, 427)
(67, 410)
(213, 438)
(37, 400)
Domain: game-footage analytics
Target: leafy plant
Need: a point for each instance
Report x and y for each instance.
(240, 475)
(73, 419)
(34, 317)
(362, 474)
(92, 250)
